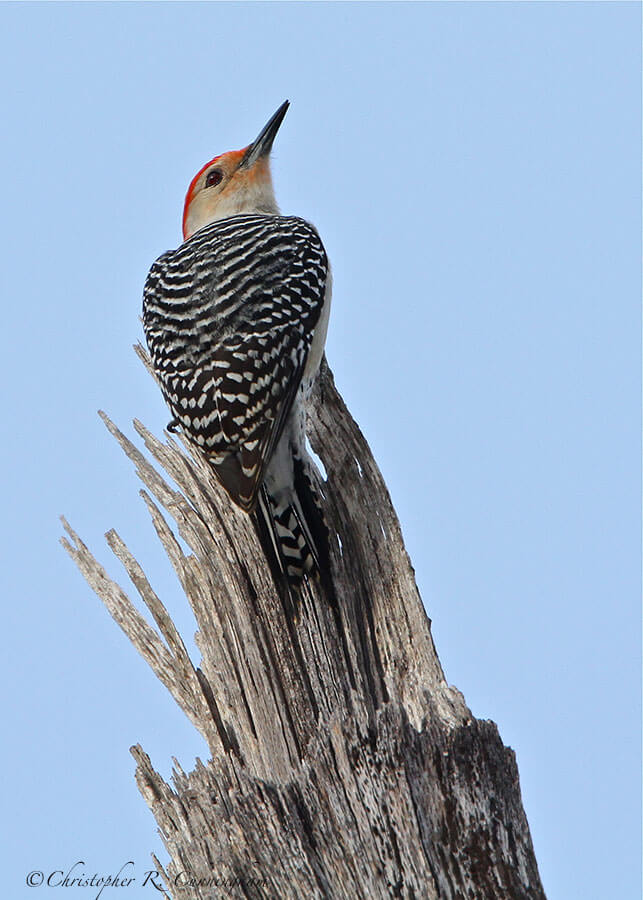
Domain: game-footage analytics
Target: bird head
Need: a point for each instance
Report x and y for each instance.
(235, 182)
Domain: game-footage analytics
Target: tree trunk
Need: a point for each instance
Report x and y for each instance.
(343, 765)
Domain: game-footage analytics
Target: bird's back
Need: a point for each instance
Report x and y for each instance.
(229, 319)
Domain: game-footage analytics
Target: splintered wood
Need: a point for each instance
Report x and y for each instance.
(342, 763)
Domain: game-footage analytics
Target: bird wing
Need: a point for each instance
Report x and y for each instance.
(229, 318)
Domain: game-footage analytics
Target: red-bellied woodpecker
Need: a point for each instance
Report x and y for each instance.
(235, 321)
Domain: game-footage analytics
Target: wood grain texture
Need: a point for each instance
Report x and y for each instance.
(342, 763)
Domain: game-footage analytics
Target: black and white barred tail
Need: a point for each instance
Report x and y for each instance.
(293, 531)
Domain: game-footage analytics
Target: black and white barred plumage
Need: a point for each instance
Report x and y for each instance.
(235, 322)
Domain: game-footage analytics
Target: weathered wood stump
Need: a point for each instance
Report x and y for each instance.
(343, 765)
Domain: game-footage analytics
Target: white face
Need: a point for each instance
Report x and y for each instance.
(222, 189)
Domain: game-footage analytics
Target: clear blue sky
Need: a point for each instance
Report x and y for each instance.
(474, 170)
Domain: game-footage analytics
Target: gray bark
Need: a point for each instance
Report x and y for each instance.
(342, 763)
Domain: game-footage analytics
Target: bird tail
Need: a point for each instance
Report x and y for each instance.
(293, 532)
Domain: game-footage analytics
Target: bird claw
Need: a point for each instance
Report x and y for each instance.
(173, 426)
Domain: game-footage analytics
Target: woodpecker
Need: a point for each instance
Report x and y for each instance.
(235, 321)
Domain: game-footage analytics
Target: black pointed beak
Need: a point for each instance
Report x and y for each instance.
(263, 144)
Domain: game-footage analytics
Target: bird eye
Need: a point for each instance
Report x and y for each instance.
(214, 177)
